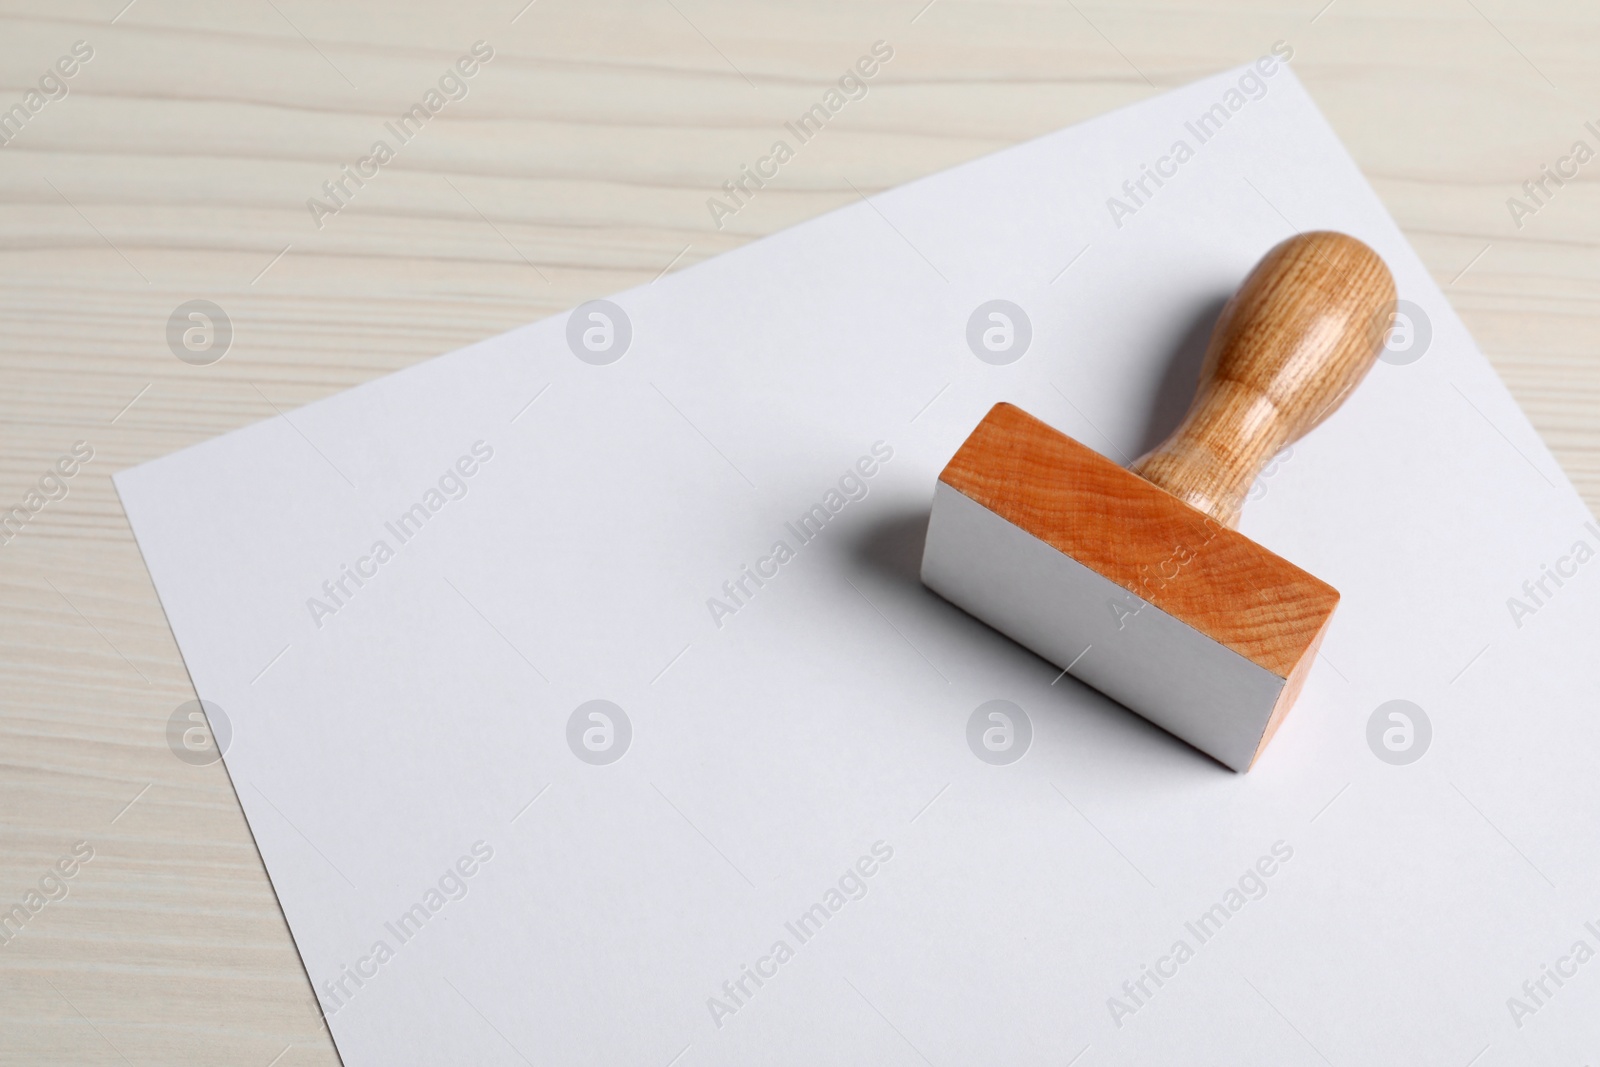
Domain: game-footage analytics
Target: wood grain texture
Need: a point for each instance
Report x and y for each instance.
(1291, 689)
(1133, 533)
(1302, 331)
(179, 167)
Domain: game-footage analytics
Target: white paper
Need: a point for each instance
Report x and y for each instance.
(830, 713)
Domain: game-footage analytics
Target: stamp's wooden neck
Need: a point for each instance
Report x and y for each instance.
(1300, 333)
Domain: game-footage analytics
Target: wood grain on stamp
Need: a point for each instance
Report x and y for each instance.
(1300, 333)
(1142, 538)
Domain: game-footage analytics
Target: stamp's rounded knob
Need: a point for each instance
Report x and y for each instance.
(1300, 333)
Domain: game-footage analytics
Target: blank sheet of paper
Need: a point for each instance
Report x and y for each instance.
(606, 720)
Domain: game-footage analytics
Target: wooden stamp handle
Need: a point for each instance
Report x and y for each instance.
(1299, 334)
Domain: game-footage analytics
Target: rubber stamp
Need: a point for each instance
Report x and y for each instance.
(1136, 580)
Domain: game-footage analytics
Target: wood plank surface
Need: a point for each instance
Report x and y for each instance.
(178, 166)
